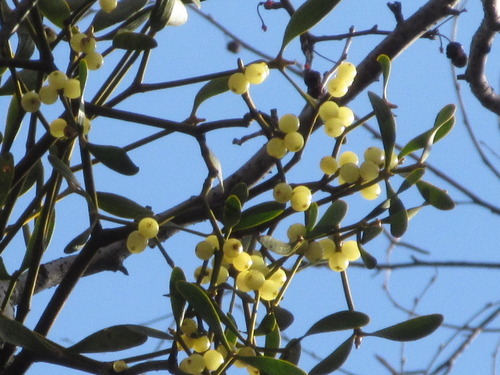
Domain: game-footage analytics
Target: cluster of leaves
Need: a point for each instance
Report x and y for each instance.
(225, 211)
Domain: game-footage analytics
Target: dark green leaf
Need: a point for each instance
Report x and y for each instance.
(17, 334)
(445, 120)
(161, 14)
(177, 301)
(111, 339)
(411, 179)
(114, 158)
(214, 87)
(311, 216)
(306, 16)
(28, 77)
(150, 332)
(241, 191)
(273, 340)
(124, 10)
(131, 41)
(55, 10)
(232, 211)
(385, 63)
(334, 360)
(204, 307)
(339, 321)
(14, 119)
(25, 45)
(120, 206)
(330, 220)
(292, 351)
(370, 233)
(259, 214)
(413, 329)
(64, 171)
(436, 197)
(369, 260)
(386, 123)
(6, 175)
(272, 366)
(284, 318)
(266, 326)
(397, 211)
(35, 174)
(77, 243)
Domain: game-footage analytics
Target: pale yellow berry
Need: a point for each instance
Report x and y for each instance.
(94, 60)
(195, 364)
(76, 41)
(31, 102)
(346, 115)
(282, 192)
(351, 250)
(187, 340)
(241, 283)
(204, 250)
(246, 351)
(337, 87)
(72, 88)
(301, 198)
(232, 247)
(242, 262)
(48, 94)
(238, 83)
(213, 359)
(257, 73)
(371, 192)
(108, 5)
(338, 262)
(328, 247)
(148, 227)
(136, 242)
(296, 231)
(279, 277)
(254, 279)
(328, 110)
(314, 252)
(119, 366)
(346, 71)
(348, 157)
(329, 165)
(57, 79)
(222, 276)
(375, 155)
(394, 161)
(276, 148)
(213, 240)
(88, 44)
(269, 290)
(368, 171)
(349, 173)
(289, 123)
(294, 141)
(57, 128)
(334, 127)
(189, 326)
(201, 344)
(205, 276)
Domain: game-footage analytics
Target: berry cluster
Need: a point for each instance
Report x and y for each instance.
(335, 118)
(293, 141)
(86, 43)
(300, 197)
(138, 240)
(338, 86)
(254, 74)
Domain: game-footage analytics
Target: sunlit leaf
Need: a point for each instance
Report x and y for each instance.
(114, 158)
(272, 366)
(160, 14)
(204, 307)
(386, 123)
(212, 88)
(335, 359)
(121, 206)
(413, 329)
(259, 214)
(110, 339)
(411, 179)
(306, 16)
(124, 10)
(6, 175)
(232, 211)
(330, 220)
(339, 321)
(131, 41)
(55, 10)
(177, 301)
(311, 216)
(385, 63)
(436, 197)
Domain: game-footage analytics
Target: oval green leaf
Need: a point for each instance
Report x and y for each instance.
(385, 63)
(411, 179)
(272, 366)
(124, 10)
(284, 318)
(369, 260)
(121, 206)
(131, 41)
(241, 191)
(413, 329)
(212, 88)
(339, 321)
(177, 301)
(56, 11)
(398, 216)
(370, 233)
(305, 17)
(111, 339)
(386, 123)
(273, 340)
(232, 211)
(276, 246)
(29, 78)
(329, 221)
(259, 214)
(311, 216)
(204, 307)
(13, 124)
(114, 158)
(292, 351)
(335, 359)
(77, 243)
(434, 196)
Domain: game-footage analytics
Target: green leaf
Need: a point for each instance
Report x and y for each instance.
(370, 233)
(77, 243)
(114, 158)
(13, 123)
(311, 216)
(64, 171)
(212, 88)
(120, 206)
(385, 63)
(369, 260)
(330, 220)
(35, 174)
(111, 339)
(232, 211)
(124, 10)
(55, 10)
(276, 246)
(411, 179)
(273, 340)
(398, 216)
(413, 329)
(434, 196)
(292, 351)
(272, 366)
(150, 332)
(17, 334)
(204, 307)
(259, 214)
(161, 14)
(266, 325)
(335, 360)
(6, 175)
(284, 318)
(177, 301)
(28, 77)
(445, 121)
(339, 321)
(130, 41)
(305, 17)
(386, 123)
(241, 191)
